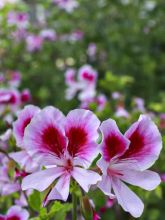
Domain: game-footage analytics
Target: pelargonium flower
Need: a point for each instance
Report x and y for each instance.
(66, 146)
(34, 43)
(48, 34)
(20, 19)
(126, 158)
(85, 84)
(14, 78)
(67, 5)
(25, 95)
(139, 102)
(121, 112)
(15, 213)
(22, 157)
(100, 101)
(91, 51)
(87, 75)
(76, 35)
(9, 96)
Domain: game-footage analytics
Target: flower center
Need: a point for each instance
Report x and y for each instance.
(69, 165)
(113, 172)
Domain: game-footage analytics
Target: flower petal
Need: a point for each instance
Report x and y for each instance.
(21, 123)
(82, 132)
(25, 161)
(147, 179)
(34, 181)
(114, 143)
(145, 145)
(85, 178)
(16, 212)
(129, 201)
(45, 133)
(106, 186)
(61, 189)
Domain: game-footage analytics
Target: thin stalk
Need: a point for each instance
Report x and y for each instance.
(74, 210)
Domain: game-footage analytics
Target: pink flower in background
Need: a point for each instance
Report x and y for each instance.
(19, 34)
(126, 158)
(76, 35)
(121, 112)
(70, 76)
(116, 95)
(9, 98)
(7, 186)
(22, 157)
(162, 121)
(162, 176)
(34, 43)
(139, 102)
(96, 216)
(91, 51)
(85, 83)
(25, 95)
(99, 100)
(66, 146)
(14, 78)
(87, 75)
(15, 213)
(20, 19)
(67, 5)
(48, 34)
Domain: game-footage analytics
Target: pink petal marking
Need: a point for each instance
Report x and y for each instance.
(114, 143)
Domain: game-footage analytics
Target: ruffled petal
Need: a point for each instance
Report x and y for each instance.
(145, 145)
(34, 181)
(114, 143)
(45, 134)
(85, 178)
(24, 118)
(82, 132)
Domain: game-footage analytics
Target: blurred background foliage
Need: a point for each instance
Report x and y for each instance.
(129, 35)
(130, 40)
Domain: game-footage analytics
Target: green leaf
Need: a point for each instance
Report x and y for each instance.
(35, 201)
(59, 207)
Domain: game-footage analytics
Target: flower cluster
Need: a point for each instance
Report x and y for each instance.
(66, 146)
(11, 99)
(15, 213)
(85, 86)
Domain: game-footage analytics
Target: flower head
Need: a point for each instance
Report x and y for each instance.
(66, 146)
(15, 213)
(126, 158)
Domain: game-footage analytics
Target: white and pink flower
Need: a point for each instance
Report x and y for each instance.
(15, 213)
(126, 158)
(34, 43)
(48, 34)
(66, 146)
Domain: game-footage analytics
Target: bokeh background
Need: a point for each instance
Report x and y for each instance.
(123, 40)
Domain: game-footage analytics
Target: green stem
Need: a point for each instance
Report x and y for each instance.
(74, 210)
